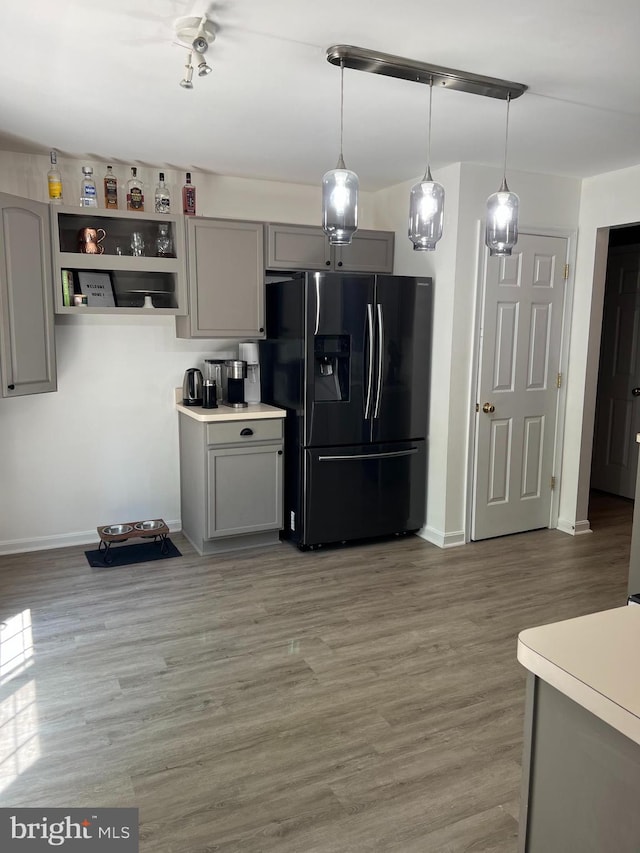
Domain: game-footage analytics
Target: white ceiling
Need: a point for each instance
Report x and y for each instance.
(100, 80)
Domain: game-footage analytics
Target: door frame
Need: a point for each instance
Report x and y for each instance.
(565, 335)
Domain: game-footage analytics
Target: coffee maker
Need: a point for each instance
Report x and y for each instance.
(235, 372)
(249, 352)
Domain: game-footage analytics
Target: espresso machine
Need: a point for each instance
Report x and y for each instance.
(249, 352)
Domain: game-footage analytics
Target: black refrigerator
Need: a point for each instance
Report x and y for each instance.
(348, 357)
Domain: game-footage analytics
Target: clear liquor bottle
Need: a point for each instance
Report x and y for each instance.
(162, 196)
(110, 190)
(188, 197)
(88, 193)
(54, 180)
(135, 191)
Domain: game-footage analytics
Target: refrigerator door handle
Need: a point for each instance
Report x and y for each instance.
(369, 455)
(367, 405)
(317, 282)
(376, 412)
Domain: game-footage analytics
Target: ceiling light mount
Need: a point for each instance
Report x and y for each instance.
(362, 59)
(196, 33)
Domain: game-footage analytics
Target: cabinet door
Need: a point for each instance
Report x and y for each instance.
(244, 489)
(226, 280)
(369, 251)
(297, 247)
(27, 348)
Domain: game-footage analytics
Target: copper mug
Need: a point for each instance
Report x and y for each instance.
(90, 239)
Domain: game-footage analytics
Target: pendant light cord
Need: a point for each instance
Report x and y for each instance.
(427, 171)
(504, 187)
(341, 158)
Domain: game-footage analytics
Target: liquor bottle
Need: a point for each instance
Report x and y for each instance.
(88, 194)
(162, 198)
(135, 192)
(110, 190)
(189, 197)
(54, 180)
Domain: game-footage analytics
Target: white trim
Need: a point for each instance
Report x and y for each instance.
(577, 529)
(65, 540)
(442, 540)
(475, 370)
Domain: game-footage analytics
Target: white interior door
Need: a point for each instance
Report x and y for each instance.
(518, 387)
(615, 452)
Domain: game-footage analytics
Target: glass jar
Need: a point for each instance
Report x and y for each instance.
(164, 244)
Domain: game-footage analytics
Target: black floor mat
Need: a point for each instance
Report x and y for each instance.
(125, 555)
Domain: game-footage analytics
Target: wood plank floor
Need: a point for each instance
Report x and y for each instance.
(357, 699)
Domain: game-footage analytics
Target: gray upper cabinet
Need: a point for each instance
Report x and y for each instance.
(225, 272)
(27, 347)
(306, 247)
(297, 247)
(369, 251)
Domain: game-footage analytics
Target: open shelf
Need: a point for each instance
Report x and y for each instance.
(128, 277)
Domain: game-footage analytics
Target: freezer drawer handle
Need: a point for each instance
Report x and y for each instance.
(369, 455)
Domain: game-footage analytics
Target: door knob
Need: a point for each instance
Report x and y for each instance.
(488, 408)
(635, 392)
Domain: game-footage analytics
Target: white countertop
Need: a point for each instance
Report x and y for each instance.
(253, 411)
(593, 660)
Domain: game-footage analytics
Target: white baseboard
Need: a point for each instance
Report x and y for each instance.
(442, 540)
(64, 540)
(574, 528)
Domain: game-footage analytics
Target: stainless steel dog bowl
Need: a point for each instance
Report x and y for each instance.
(148, 525)
(117, 529)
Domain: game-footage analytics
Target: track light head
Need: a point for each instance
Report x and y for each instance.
(203, 68)
(200, 44)
(186, 81)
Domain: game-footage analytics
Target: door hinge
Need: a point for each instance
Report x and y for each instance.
(566, 272)
(477, 407)
(553, 483)
(559, 381)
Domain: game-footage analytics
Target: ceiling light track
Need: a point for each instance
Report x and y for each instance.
(362, 59)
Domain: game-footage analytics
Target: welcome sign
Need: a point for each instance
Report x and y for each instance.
(102, 830)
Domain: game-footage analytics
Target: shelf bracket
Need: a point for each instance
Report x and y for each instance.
(362, 59)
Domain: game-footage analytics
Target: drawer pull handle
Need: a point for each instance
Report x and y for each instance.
(246, 431)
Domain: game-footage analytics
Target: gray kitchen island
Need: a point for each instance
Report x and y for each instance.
(581, 767)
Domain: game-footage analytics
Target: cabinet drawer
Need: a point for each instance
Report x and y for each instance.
(230, 432)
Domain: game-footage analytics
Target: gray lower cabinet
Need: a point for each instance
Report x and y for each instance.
(306, 247)
(225, 274)
(231, 483)
(581, 779)
(27, 346)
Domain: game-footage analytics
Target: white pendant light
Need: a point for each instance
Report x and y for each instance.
(340, 193)
(502, 212)
(426, 203)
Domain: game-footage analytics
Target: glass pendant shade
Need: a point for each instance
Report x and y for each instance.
(502, 222)
(340, 193)
(340, 204)
(501, 232)
(426, 214)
